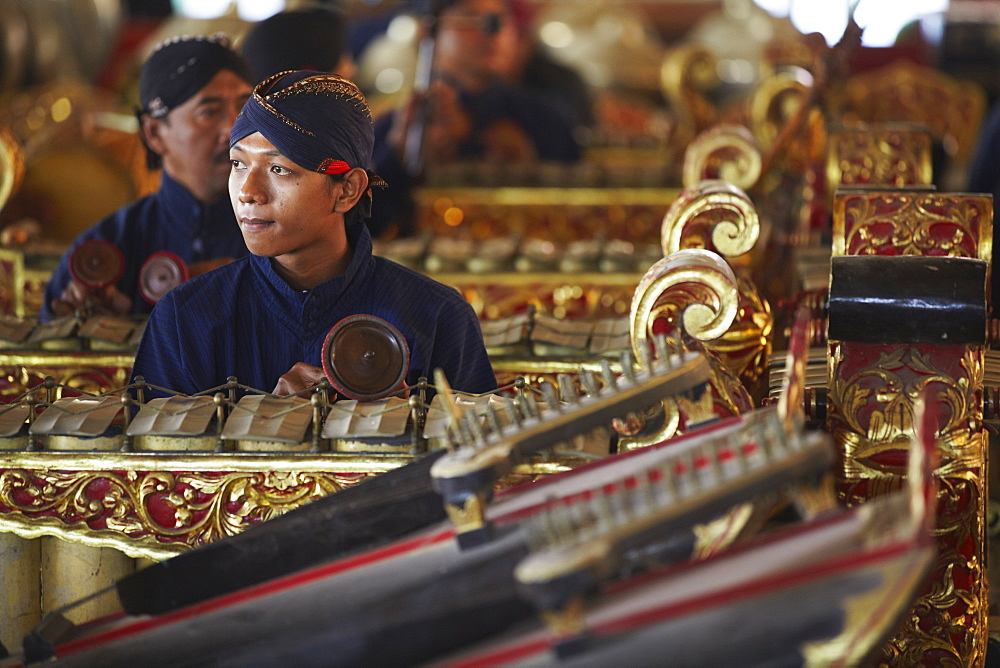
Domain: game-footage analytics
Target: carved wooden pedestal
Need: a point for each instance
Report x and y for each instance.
(877, 369)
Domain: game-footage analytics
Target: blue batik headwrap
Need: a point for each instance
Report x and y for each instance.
(330, 135)
(180, 67)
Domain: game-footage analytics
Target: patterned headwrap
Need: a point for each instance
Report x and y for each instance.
(319, 121)
(180, 67)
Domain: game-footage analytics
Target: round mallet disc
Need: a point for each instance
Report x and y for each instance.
(365, 358)
(96, 264)
(161, 272)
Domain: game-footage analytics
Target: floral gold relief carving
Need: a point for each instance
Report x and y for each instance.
(884, 154)
(950, 108)
(746, 345)
(872, 390)
(873, 405)
(872, 393)
(157, 506)
(175, 509)
(913, 223)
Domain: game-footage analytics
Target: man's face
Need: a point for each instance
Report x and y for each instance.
(193, 139)
(476, 42)
(282, 208)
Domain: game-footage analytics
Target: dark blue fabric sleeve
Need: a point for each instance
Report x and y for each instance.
(459, 350)
(161, 358)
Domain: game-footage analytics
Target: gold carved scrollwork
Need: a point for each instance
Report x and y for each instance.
(714, 215)
(727, 152)
(720, 217)
(687, 72)
(913, 223)
(693, 288)
(892, 154)
(11, 165)
(777, 100)
(177, 510)
(872, 415)
(891, 384)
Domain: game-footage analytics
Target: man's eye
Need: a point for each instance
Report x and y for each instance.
(278, 169)
(236, 164)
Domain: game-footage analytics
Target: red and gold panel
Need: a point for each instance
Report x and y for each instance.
(888, 154)
(156, 506)
(871, 398)
(912, 222)
(570, 296)
(558, 215)
(872, 390)
(904, 91)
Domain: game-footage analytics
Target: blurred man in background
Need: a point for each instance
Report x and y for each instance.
(473, 109)
(190, 91)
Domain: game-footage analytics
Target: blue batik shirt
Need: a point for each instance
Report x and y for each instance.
(171, 219)
(243, 320)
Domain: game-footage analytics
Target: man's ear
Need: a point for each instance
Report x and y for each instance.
(353, 186)
(152, 133)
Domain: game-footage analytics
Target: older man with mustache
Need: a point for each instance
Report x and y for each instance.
(191, 89)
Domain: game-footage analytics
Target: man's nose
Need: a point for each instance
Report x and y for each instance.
(250, 190)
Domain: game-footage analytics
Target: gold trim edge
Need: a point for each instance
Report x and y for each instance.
(138, 548)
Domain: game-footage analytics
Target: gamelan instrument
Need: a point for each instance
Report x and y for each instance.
(433, 594)
(387, 506)
(828, 591)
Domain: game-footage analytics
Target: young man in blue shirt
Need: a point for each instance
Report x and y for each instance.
(300, 191)
(191, 90)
